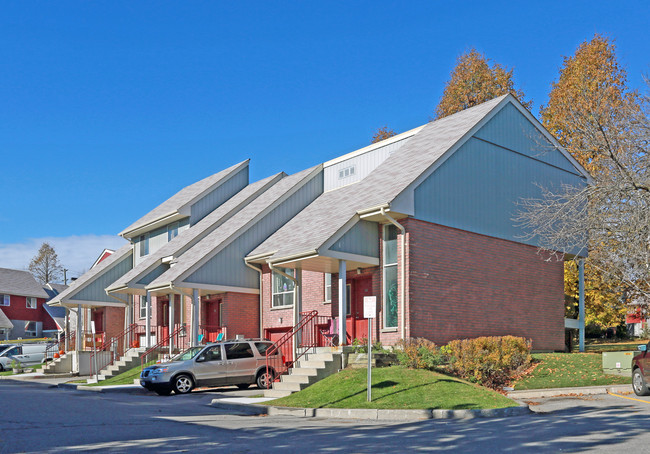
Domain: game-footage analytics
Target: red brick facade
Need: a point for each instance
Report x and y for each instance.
(465, 285)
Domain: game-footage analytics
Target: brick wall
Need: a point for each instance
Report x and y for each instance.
(464, 285)
(240, 314)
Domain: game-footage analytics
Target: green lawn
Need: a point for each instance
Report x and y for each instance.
(395, 388)
(125, 378)
(567, 370)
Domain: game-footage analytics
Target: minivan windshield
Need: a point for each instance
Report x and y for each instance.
(187, 354)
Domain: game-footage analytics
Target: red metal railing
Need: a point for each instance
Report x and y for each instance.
(114, 349)
(210, 333)
(307, 334)
(179, 338)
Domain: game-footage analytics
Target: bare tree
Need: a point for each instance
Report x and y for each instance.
(612, 215)
(45, 265)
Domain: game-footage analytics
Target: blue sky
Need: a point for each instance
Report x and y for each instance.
(109, 108)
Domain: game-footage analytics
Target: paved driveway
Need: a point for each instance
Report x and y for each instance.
(35, 418)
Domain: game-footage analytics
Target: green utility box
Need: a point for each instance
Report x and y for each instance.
(618, 363)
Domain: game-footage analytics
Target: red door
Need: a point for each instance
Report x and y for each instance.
(212, 320)
(357, 326)
(164, 322)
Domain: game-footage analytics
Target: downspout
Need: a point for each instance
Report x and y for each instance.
(259, 270)
(295, 301)
(403, 268)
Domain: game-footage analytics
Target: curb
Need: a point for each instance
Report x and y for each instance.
(370, 413)
(127, 389)
(556, 392)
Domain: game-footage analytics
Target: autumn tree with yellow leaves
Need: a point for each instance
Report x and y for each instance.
(382, 133)
(474, 81)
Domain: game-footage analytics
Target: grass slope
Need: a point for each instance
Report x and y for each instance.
(395, 388)
(568, 370)
(125, 378)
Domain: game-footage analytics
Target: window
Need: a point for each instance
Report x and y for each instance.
(347, 172)
(144, 245)
(4, 300)
(31, 303)
(390, 276)
(328, 287)
(283, 289)
(348, 298)
(262, 347)
(143, 306)
(239, 351)
(213, 353)
(172, 231)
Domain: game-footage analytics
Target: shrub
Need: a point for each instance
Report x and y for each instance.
(418, 354)
(490, 361)
(360, 345)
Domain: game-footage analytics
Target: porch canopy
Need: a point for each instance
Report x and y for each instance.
(5, 323)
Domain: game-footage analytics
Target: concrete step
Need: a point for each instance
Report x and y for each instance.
(288, 386)
(305, 379)
(309, 371)
(319, 357)
(275, 393)
(312, 364)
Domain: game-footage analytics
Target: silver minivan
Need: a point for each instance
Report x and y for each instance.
(233, 362)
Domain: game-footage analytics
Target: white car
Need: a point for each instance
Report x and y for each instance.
(25, 354)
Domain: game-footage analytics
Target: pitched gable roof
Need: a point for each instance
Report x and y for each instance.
(182, 199)
(234, 226)
(22, 283)
(54, 289)
(330, 212)
(189, 236)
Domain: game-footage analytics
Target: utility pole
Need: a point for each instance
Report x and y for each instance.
(65, 276)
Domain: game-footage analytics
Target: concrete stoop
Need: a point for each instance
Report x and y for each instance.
(62, 365)
(308, 370)
(130, 360)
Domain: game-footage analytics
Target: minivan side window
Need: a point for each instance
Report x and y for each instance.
(239, 351)
(213, 353)
(14, 351)
(262, 347)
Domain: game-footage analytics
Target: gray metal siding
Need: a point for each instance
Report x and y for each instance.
(223, 192)
(362, 239)
(95, 290)
(227, 267)
(363, 165)
(157, 239)
(510, 129)
(479, 186)
(153, 274)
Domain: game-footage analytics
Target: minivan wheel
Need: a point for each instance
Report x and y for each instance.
(243, 385)
(183, 384)
(264, 379)
(638, 383)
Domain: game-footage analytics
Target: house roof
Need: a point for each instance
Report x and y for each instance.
(19, 282)
(105, 253)
(5, 323)
(92, 273)
(189, 236)
(53, 289)
(182, 199)
(234, 226)
(330, 212)
(58, 315)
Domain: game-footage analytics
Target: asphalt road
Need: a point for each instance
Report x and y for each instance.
(38, 418)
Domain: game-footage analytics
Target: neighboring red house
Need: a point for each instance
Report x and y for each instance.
(22, 301)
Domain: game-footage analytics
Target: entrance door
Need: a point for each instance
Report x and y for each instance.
(212, 320)
(357, 326)
(164, 322)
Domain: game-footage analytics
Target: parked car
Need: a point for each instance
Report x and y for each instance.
(25, 354)
(233, 362)
(641, 371)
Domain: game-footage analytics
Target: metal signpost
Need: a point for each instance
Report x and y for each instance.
(369, 311)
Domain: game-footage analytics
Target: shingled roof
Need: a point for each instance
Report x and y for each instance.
(182, 198)
(22, 283)
(326, 215)
(189, 236)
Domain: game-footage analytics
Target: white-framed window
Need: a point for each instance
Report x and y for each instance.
(31, 303)
(328, 287)
(389, 269)
(346, 172)
(5, 300)
(143, 306)
(282, 289)
(144, 245)
(172, 231)
(348, 299)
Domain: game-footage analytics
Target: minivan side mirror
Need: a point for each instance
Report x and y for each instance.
(200, 359)
(642, 348)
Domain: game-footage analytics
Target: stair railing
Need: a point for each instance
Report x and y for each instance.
(307, 334)
(115, 348)
(178, 338)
